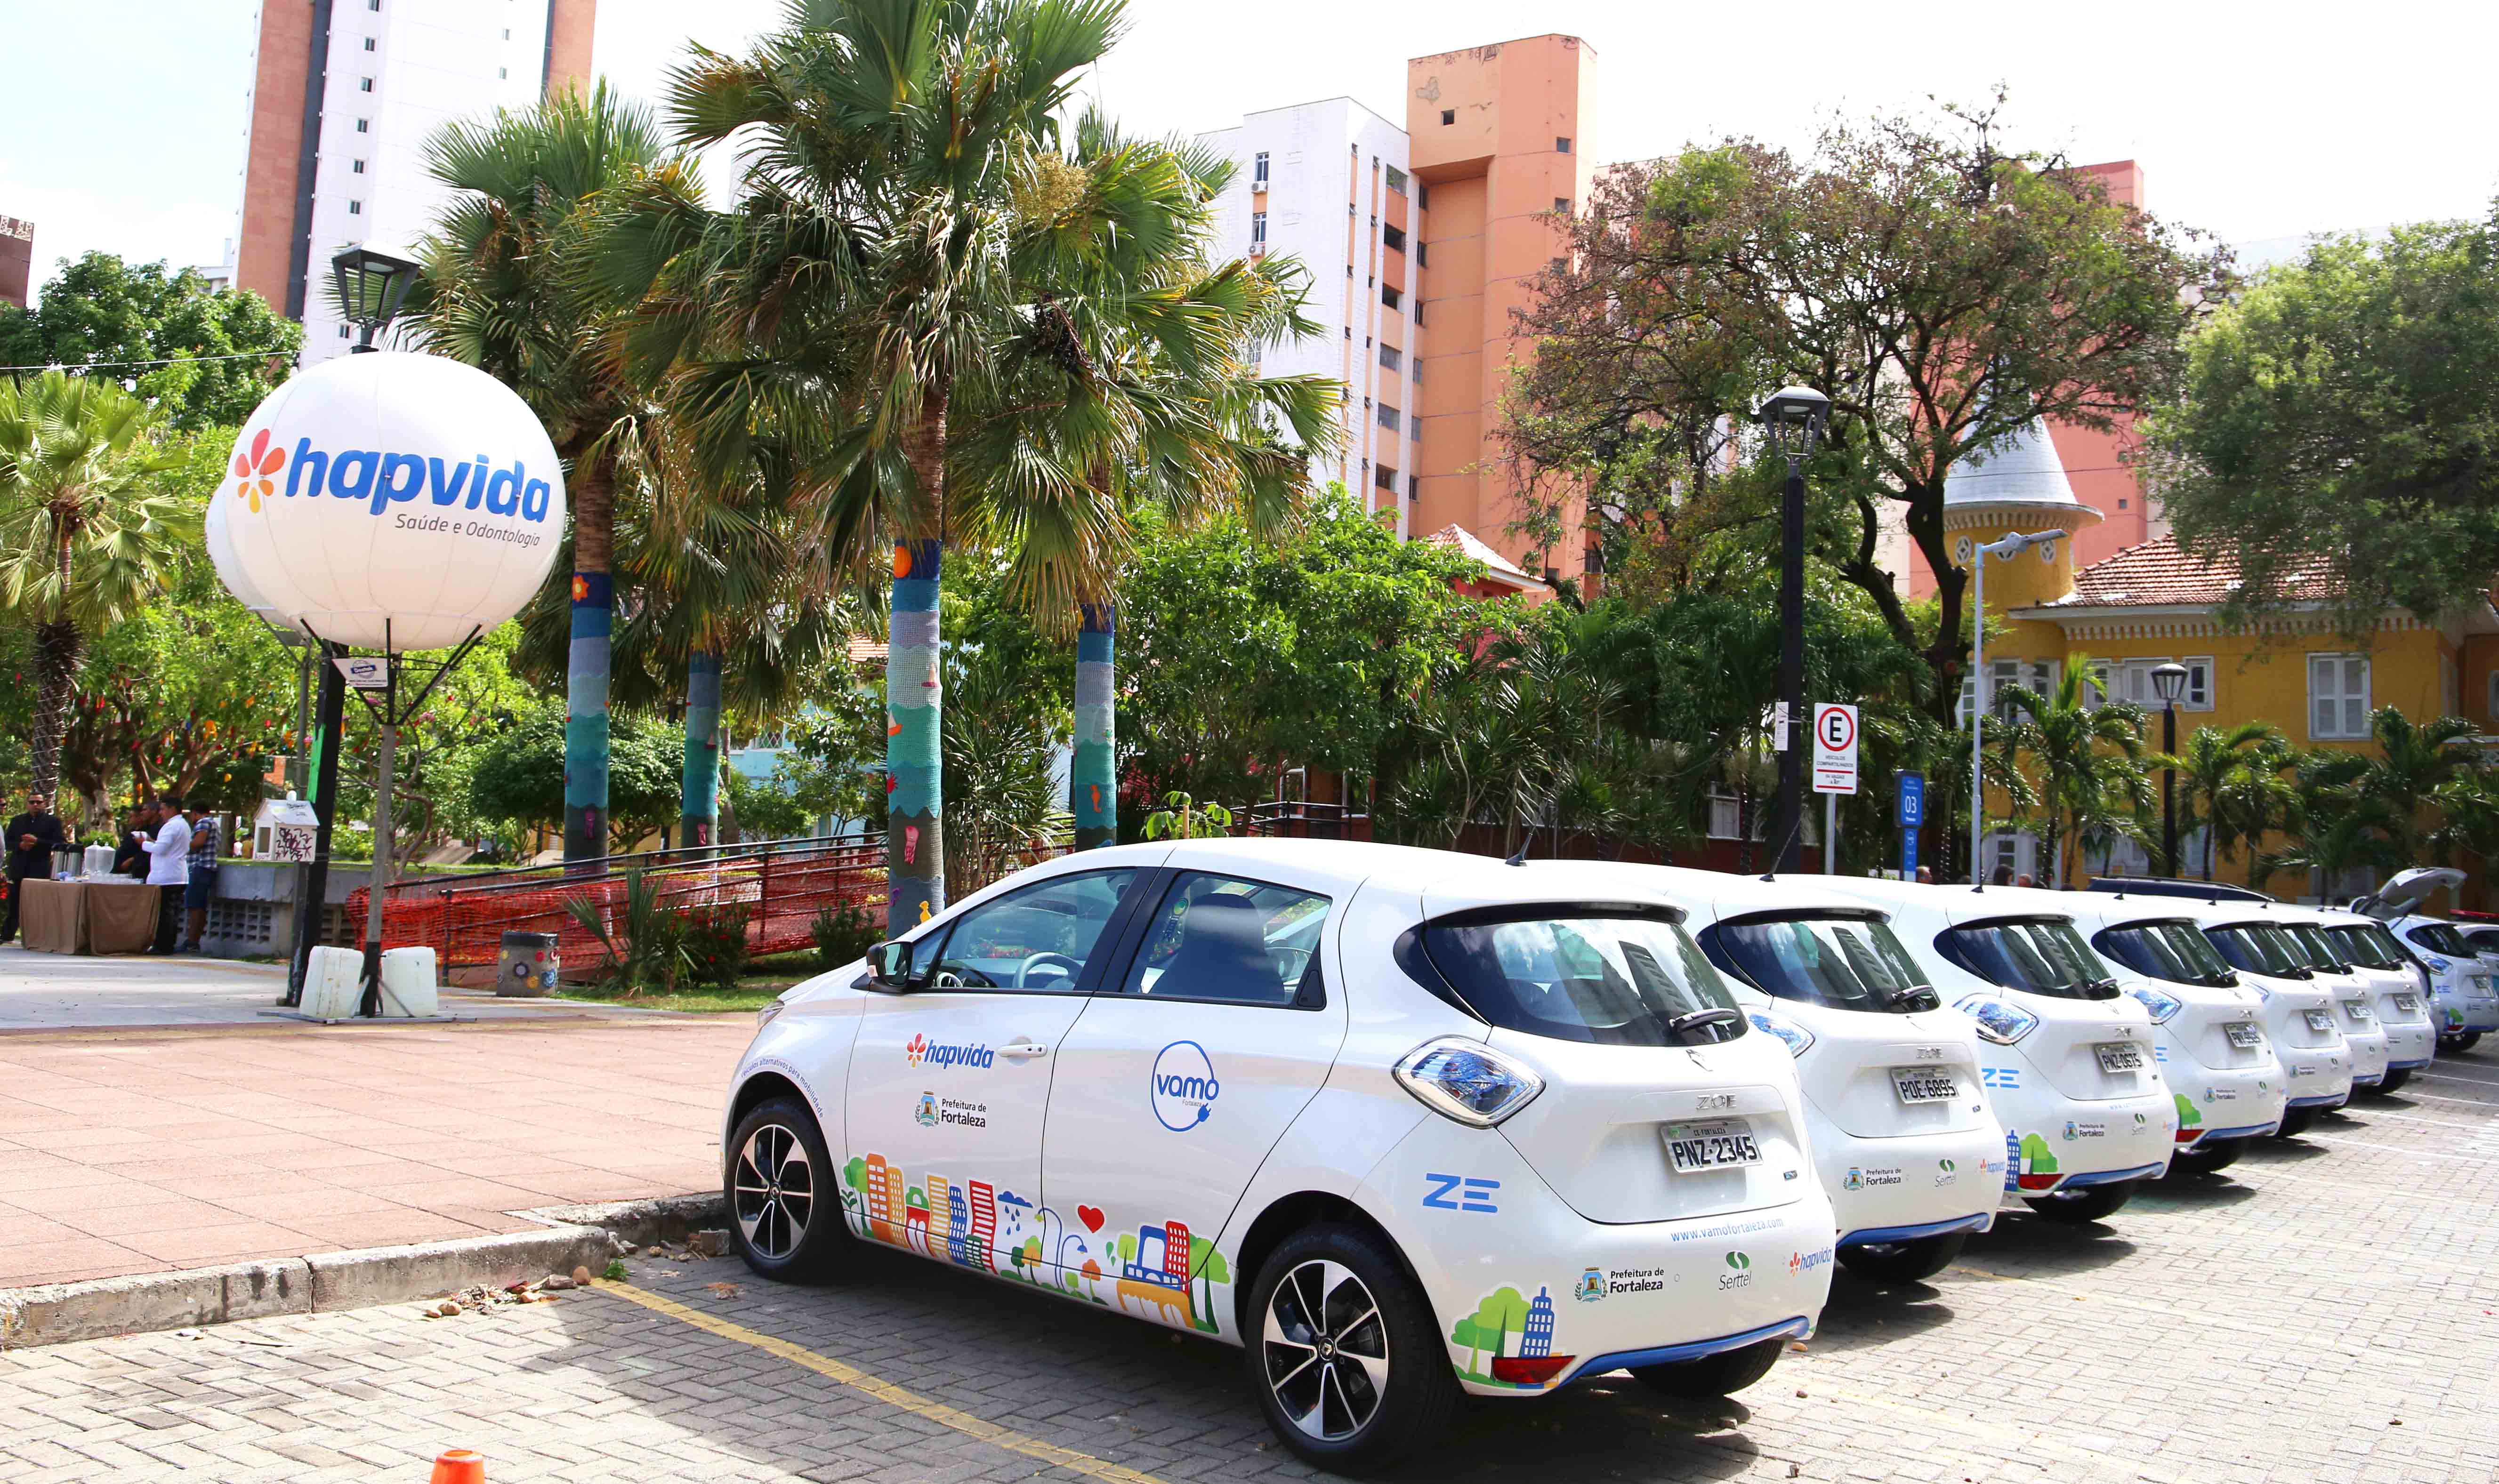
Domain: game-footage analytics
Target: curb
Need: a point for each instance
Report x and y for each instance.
(575, 1236)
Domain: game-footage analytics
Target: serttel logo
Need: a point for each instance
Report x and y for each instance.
(384, 478)
(1740, 1261)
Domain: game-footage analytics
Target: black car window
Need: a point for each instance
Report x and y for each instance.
(1034, 939)
(2440, 938)
(2166, 951)
(2040, 955)
(2259, 948)
(1847, 962)
(2361, 945)
(2323, 954)
(1612, 978)
(1233, 942)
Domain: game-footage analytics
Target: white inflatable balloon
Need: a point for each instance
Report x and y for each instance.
(388, 501)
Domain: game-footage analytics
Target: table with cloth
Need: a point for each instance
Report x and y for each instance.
(86, 917)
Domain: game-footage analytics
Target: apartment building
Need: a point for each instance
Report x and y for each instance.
(345, 95)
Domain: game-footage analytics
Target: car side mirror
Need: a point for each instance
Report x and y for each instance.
(888, 966)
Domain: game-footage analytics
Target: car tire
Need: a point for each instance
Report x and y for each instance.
(2295, 1122)
(1385, 1385)
(1902, 1262)
(2460, 1043)
(1712, 1376)
(2208, 1158)
(784, 1193)
(2087, 1205)
(2395, 1079)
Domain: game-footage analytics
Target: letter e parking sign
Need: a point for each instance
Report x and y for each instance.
(1834, 748)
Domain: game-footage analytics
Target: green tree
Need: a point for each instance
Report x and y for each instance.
(1501, 1312)
(88, 534)
(2086, 762)
(1942, 290)
(2338, 437)
(522, 777)
(2221, 771)
(115, 316)
(505, 290)
(766, 809)
(1464, 1333)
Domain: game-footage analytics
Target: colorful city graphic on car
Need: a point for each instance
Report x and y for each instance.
(1161, 1272)
(1508, 1342)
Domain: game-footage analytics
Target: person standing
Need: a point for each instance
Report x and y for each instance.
(32, 837)
(201, 878)
(168, 868)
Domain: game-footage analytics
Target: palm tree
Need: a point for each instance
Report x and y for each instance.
(2396, 787)
(2089, 763)
(502, 291)
(2213, 771)
(87, 534)
(860, 289)
(2258, 799)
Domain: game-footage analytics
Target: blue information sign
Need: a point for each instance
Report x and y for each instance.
(1913, 800)
(1908, 854)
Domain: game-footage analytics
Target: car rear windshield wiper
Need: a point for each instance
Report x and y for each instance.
(1694, 1020)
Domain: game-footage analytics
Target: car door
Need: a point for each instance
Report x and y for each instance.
(1177, 1079)
(948, 1082)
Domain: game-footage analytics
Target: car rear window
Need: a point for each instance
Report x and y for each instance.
(1608, 977)
(2259, 948)
(2370, 946)
(2439, 938)
(2167, 950)
(2321, 951)
(1848, 963)
(2040, 955)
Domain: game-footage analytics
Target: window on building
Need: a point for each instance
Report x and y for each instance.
(370, 43)
(1562, 145)
(1415, 489)
(1390, 418)
(364, 85)
(1258, 229)
(1397, 179)
(1394, 238)
(1449, 115)
(2490, 695)
(1422, 198)
(1390, 357)
(343, 332)
(364, 125)
(372, 5)
(2131, 680)
(1385, 477)
(1561, 203)
(508, 33)
(2338, 696)
(1726, 817)
(356, 167)
(1390, 297)
(1259, 170)
(503, 71)
(355, 208)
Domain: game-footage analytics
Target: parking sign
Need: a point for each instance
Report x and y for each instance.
(1913, 800)
(1834, 748)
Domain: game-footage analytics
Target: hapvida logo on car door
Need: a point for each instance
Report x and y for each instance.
(1185, 1088)
(921, 1050)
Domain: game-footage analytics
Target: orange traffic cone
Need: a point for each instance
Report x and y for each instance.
(459, 1465)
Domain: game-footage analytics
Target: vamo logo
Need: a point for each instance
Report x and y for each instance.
(1183, 1088)
(921, 1050)
(384, 478)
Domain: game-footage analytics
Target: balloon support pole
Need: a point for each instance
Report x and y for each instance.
(392, 707)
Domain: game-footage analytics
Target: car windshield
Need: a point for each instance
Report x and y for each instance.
(1612, 978)
(2166, 951)
(2439, 938)
(2259, 948)
(2324, 952)
(2041, 955)
(2372, 946)
(1848, 963)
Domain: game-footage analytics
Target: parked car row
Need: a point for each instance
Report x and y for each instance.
(1404, 1124)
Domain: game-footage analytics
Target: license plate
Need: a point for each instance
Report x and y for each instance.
(1924, 1084)
(2408, 1004)
(2119, 1056)
(2358, 1009)
(2244, 1034)
(2319, 1020)
(1718, 1145)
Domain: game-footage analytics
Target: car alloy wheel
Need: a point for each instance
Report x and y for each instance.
(774, 1188)
(1326, 1351)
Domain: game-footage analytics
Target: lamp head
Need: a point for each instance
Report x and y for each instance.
(1793, 418)
(370, 287)
(2169, 682)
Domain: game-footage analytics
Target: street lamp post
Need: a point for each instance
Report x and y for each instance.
(370, 287)
(2017, 541)
(1791, 423)
(2169, 682)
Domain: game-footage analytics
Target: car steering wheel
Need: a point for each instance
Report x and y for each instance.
(1075, 966)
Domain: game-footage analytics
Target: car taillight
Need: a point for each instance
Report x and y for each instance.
(1529, 1369)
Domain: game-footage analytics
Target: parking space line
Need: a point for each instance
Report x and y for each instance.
(938, 1413)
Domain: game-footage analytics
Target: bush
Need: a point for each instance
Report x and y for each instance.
(715, 943)
(843, 933)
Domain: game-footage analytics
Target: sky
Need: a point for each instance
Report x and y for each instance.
(2255, 122)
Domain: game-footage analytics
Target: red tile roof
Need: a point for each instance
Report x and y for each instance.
(2158, 573)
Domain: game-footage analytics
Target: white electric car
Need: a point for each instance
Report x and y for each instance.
(1902, 1137)
(2463, 1004)
(2065, 1057)
(2398, 992)
(2354, 996)
(2301, 1016)
(1401, 1123)
(2207, 1026)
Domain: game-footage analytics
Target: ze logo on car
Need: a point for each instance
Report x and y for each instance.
(2008, 1078)
(1476, 1197)
(1183, 1088)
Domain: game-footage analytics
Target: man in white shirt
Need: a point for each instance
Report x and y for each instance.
(168, 868)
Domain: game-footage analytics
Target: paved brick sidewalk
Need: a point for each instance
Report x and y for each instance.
(141, 1152)
(2323, 1312)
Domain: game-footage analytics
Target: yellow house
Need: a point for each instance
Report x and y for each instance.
(2153, 603)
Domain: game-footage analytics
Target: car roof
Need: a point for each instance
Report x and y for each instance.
(1449, 879)
(1713, 895)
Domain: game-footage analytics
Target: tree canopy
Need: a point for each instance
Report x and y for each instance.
(100, 311)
